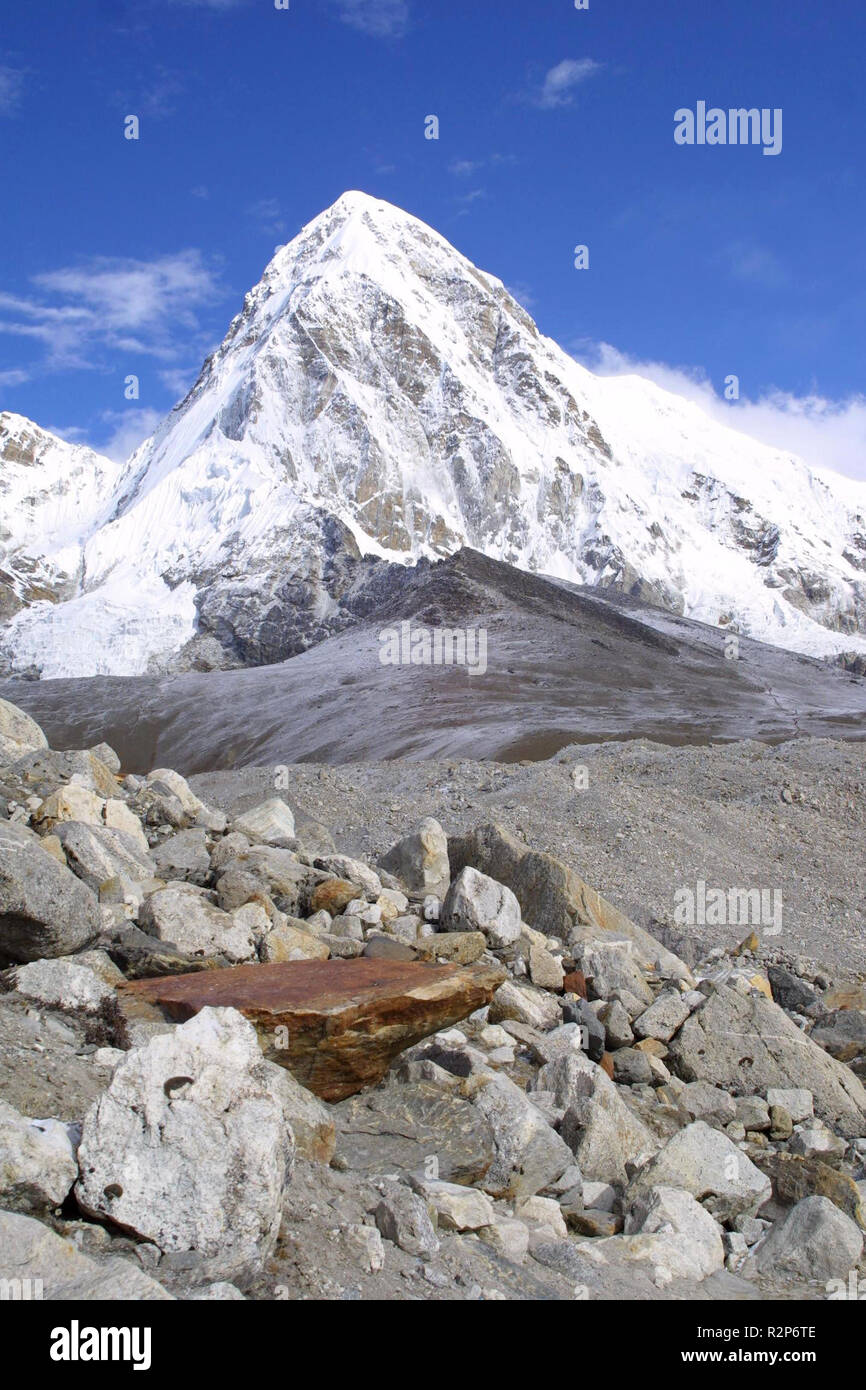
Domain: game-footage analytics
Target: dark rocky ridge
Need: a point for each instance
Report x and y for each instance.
(564, 666)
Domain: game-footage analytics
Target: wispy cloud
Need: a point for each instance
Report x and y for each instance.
(126, 430)
(134, 306)
(465, 168)
(11, 89)
(756, 265)
(14, 376)
(826, 434)
(562, 81)
(267, 213)
(384, 19)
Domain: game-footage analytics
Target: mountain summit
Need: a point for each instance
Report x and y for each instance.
(380, 398)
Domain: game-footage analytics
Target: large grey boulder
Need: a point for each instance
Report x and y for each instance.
(554, 899)
(183, 856)
(398, 1128)
(670, 1211)
(267, 823)
(38, 1263)
(67, 983)
(183, 915)
(600, 1129)
(19, 734)
(529, 1153)
(96, 854)
(815, 1241)
(476, 903)
(190, 1146)
(44, 909)
(37, 1162)
(420, 860)
(746, 1045)
(705, 1162)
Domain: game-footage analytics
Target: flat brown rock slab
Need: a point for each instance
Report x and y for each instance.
(336, 1025)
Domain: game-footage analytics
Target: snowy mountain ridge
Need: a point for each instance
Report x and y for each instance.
(379, 396)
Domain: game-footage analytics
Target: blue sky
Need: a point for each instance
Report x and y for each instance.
(556, 128)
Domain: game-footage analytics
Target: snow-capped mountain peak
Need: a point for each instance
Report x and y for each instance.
(378, 395)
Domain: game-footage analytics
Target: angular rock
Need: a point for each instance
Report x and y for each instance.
(705, 1102)
(476, 902)
(32, 1252)
(96, 854)
(37, 1162)
(333, 896)
(664, 1016)
(398, 1128)
(815, 1241)
(553, 898)
(745, 1043)
(457, 1208)
(461, 947)
(420, 860)
(44, 909)
(525, 1005)
(190, 1147)
(704, 1162)
(403, 1218)
(354, 870)
(64, 983)
(289, 940)
(71, 803)
(19, 734)
(268, 823)
(794, 1178)
(182, 916)
(545, 970)
(529, 1154)
(336, 1025)
(842, 1034)
(670, 1210)
(183, 856)
(601, 1131)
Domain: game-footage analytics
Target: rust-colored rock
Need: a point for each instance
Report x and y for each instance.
(606, 1064)
(575, 983)
(334, 895)
(336, 1025)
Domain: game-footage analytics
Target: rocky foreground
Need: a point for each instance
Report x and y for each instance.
(236, 1062)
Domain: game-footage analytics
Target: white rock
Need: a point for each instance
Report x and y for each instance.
(63, 984)
(267, 823)
(815, 1241)
(37, 1162)
(32, 1252)
(705, 1162)
(529, 1154)
(509, 1237)
(478, 903)
(185, 917)
(671, 1211)
(457, 1208)
(368, 1243)
(542, 1211)
(190, 1145)
(799, 1103)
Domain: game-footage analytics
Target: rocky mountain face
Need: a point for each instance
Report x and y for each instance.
(379, 399)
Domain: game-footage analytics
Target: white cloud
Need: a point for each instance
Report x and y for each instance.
(268, 214)
(384, 19)
(826, 434)
(149, 307)
(11, 89)
(560, 83)
(129, 428)
(14, 376)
